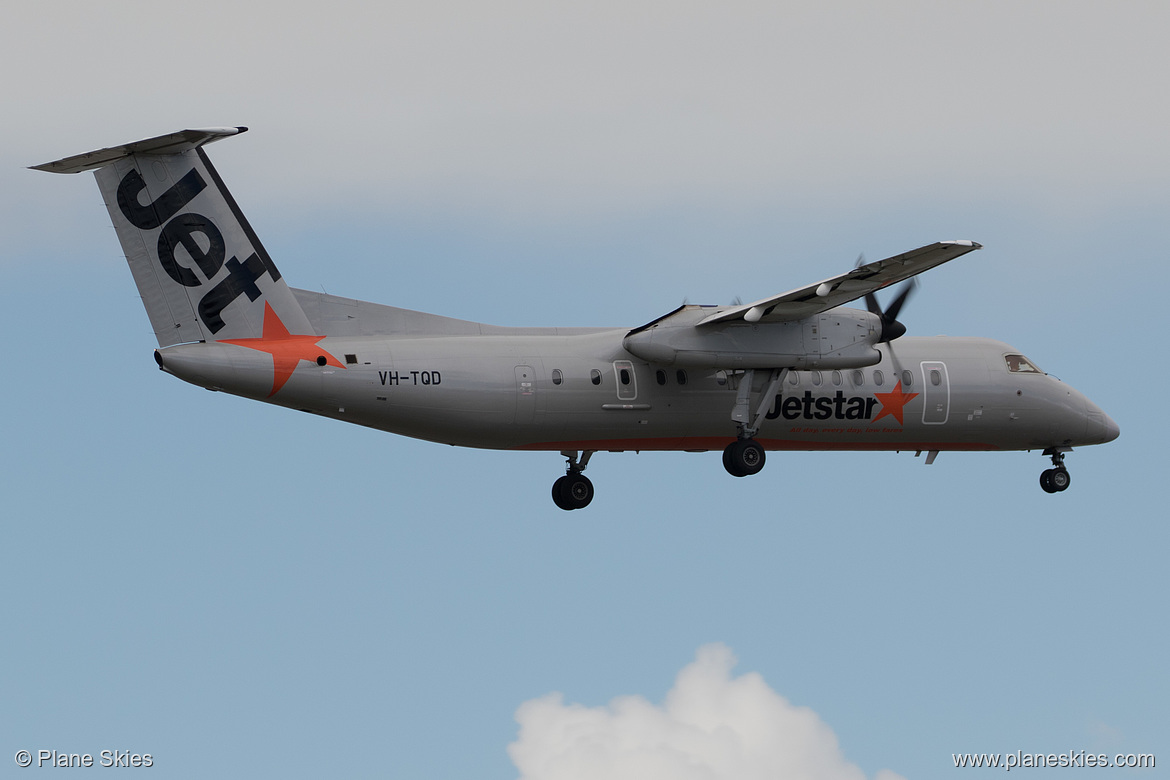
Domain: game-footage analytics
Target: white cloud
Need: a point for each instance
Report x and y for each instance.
(711, 727)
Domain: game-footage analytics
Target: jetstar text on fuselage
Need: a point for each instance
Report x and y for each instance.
(835, 407)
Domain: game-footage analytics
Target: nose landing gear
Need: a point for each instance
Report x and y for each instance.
(1055, 479)
(574, 490)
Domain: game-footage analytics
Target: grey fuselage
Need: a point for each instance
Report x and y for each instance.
(473, 385)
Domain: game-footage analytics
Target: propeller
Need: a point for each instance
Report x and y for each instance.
(891, 328)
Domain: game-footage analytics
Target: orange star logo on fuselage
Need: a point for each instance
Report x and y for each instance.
(286, 349)
(893, 403)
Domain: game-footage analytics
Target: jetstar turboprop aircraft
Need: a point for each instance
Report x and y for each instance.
(796, 371)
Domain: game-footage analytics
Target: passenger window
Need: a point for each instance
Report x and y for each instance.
(935, 377)
(907, 379)
(816, 378)
(879, 378)
(557, 376)
(681, 376)
(859, 378)
(660, 376)
(837, 378)
(794, 378)
(595, 376)
(624, 374)
(1018, 364)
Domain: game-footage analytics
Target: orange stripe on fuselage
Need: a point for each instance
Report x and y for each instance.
(719, 442)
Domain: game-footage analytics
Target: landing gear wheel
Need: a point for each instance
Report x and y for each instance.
(558, 490)
(727, 464)
(1055, 480)
(743, 457)
(572, 491)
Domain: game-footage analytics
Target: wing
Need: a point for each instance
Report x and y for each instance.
(815, 298)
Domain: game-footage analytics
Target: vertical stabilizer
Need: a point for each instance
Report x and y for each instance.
(200, 268)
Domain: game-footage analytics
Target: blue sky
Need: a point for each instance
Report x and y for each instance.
(239, 589)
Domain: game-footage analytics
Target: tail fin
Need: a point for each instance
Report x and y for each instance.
(202, 272)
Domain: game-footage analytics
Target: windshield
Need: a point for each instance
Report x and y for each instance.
(1018, 364)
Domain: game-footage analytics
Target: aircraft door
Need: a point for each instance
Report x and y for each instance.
(627, 382)
(936, 393)
(525, 394)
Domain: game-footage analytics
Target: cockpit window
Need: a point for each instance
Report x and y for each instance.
(1018, 364)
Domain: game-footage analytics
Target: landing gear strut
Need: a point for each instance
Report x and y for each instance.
(745, 456)
(574, 490)
(1055, 479)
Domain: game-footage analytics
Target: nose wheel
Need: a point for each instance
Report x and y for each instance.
(1055, 479)
(574, 490)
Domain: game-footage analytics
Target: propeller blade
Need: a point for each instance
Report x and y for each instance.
(896, 306)
(891, 328)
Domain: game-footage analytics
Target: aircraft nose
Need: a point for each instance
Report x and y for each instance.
(1111, 429)
(1101, 426)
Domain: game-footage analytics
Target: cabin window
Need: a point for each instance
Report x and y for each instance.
(907, 379)
(935, 377)
(1018, 364)
(557, 376)
(680, 376)
(879, 378)
(624, 375)
(859, 378)
(816, 378)
(660, 377)
(794, 378)
(837, 378)
(595, 376)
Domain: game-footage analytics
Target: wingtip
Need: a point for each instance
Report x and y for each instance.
(964, 242)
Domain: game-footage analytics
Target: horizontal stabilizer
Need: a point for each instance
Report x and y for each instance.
(172, 143)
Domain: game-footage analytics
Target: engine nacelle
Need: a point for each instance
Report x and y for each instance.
(838, 338)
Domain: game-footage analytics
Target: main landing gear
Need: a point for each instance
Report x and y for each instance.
(745, 456)
(1055, 479)
(574, 490)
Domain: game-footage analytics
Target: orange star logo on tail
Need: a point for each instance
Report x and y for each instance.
(286, 349)
(893, 403)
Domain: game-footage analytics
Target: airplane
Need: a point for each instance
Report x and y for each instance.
(795, 371)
